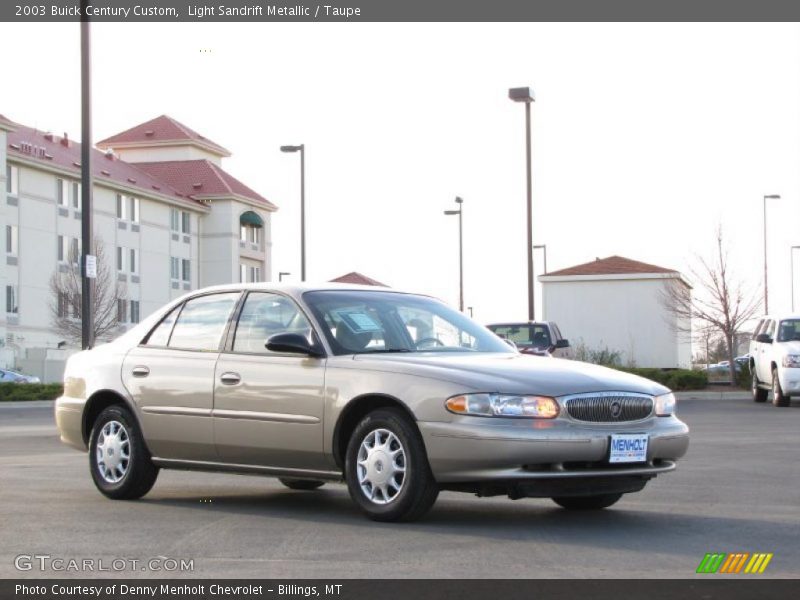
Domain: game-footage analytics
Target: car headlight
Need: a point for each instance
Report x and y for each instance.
(791, 360)
(503, 405)
(665, 404)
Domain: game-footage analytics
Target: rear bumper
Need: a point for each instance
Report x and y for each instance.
(473, 449)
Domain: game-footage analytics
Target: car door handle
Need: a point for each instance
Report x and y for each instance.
(140, 371)
(230, 378)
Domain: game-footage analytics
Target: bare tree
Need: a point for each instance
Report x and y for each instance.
(66, 290)
(722, 305)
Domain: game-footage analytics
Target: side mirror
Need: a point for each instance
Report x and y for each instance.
(293, 343)
(763, 338)
(562, 343)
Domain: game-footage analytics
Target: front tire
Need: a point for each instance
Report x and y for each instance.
(778, 397)
(759, 394)
(597, 502)
(118, 458)
(387, 470)
(301, 484)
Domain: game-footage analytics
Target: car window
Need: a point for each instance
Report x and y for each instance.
(202, 322)
(789, 330)
(264, 315)
(758, 328)
(525, 335)
(771, 328)
(362, 322)
(160, 335)
(557, 331)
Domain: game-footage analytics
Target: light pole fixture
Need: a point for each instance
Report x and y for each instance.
(87, 277)
(458, 212)
(525, 94)
(281, 274)
(766, 291)
(791, 262)
(302, 150)
(469, 308)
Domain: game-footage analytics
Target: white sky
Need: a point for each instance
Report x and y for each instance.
(645, 137)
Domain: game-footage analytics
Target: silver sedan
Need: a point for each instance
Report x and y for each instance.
(396, 394)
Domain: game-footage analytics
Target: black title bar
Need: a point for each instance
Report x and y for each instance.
(400, 10)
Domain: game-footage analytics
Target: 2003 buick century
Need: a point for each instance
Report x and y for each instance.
(397, 394)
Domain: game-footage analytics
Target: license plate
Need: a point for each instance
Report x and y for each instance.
(628, 448)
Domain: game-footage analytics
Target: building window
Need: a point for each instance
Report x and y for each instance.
(255, 274)
(121, 207)
(242, 273)
(186, 270)
(175, 268)
(134, 311)
(186, 222)
(62, 192)
(63, 305)
(174, 220)
(11, 299)
(122, 310)
(134, 264)
(12, 180)
(69, 249)
(76, 307)
(133, 209)
(76, 194)
(75, 251)
(12, 243)
(250, 233)
(120, 259)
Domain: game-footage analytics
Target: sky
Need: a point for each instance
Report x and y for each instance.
(646, 138)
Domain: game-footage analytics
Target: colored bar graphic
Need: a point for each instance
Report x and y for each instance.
(710, 563)
(720, 562)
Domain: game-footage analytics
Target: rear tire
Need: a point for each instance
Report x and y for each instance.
(118, 457)
(597, 502)
(387, 470)
(778, 397)
(301, 484)
(759, 394)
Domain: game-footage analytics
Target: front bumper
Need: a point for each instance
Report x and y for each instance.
(790, 380)
(69, 420)
(478, 449)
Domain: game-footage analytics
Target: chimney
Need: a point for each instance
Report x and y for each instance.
(65, 140)
(110, 154)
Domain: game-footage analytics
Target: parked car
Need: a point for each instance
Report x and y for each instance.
(540, 338)
(775, 359)
(396, 394)
(721, 372)
(7, 376)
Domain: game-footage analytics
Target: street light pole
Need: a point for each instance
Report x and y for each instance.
(302, 150)
(459, 212)
(791, 262)
(525, 94)
(766, 289)
(87, 287)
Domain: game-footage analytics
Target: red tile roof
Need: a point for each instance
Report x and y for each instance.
(158, 131)
(612, 265)
(201, 178)
(50, 150)
(6, 121)
(358, 279)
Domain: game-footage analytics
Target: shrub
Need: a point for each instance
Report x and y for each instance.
(675, 379)
(30, 391)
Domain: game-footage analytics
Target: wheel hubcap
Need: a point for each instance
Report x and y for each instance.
(113, 452)
(381, 466)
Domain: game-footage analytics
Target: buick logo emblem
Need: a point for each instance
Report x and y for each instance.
(616, 409)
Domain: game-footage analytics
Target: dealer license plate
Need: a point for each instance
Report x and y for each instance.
(628, 448)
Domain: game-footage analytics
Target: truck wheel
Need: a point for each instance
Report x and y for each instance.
(759, 394)
(597, 502)
(778, 397)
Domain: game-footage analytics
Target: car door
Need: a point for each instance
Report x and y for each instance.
(268, 406)
(171, 377)
(763, 364)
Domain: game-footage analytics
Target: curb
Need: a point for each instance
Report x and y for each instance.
(713, 395)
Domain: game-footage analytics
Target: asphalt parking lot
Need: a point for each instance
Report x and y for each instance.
(736, 491)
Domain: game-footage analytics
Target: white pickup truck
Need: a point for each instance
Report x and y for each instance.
(541, 338)
(775, 359)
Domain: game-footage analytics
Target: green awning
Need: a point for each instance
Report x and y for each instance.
(251, 218)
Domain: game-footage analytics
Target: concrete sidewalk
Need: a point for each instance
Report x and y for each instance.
(711, 394)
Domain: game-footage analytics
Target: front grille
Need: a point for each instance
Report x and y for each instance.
(611, 408)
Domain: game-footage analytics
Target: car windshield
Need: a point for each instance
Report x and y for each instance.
(789, 330)
(356, 322)
(534, 335)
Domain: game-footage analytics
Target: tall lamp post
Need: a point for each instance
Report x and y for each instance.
(87, 274)
(766, 290)
(791, 262)
(302, 150)
(543, 248)
(525, 94)
(458, 212)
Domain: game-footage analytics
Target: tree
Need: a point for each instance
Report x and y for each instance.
(722, 304)
(66, 290)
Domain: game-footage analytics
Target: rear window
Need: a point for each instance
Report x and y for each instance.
(537, 336)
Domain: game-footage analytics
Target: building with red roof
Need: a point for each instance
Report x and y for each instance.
(617, 304)
(357, 278)
(170, 217)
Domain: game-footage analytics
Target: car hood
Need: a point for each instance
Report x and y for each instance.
(511, 373)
